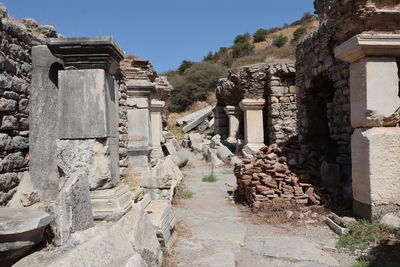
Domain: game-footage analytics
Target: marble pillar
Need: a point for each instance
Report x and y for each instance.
(375, 104)
(88, 121)
(156, 128)
(253, 124)
(139, 126)
(234, 114)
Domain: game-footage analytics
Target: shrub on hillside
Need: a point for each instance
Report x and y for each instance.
(194, 85)
(213, 57)
(242, 38)
(260, 35)
(242, 49)
(306, 19)
(280, 41)
(298, 34)
(184, 66)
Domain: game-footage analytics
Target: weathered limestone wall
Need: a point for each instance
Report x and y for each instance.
(16, 42)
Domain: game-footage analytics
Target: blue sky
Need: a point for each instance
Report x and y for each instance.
(164, 31)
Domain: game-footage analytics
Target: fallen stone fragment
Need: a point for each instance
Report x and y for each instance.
(20, 230)
(391, 220)
(142, 235)
(98, 246)
(163, 219)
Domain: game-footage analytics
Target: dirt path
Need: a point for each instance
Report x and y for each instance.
(219, 234)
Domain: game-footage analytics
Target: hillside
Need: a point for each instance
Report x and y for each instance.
(195, 81)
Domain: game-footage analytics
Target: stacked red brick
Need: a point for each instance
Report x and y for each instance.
(267, 177)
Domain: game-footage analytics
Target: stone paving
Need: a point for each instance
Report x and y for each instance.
(220, 235)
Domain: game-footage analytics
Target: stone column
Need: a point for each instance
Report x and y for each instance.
(221, 124)
(139, 125)
(253, 124)
(375, 104)
(156, 127)
(87, 148)
(234, 114)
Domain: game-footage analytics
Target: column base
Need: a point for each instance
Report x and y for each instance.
(231, 140)
(111, 204)
(368, 211)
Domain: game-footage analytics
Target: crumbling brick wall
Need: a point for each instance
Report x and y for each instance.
(16, 42)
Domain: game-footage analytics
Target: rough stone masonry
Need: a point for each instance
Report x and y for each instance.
(16, 42)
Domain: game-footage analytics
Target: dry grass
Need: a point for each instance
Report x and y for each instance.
(132, 180)
(266, 52)
(279, 212)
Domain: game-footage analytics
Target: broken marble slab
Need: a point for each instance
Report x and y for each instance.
(197, 121)
(192, 116)
(111, 204)
(181, 158)
(72, 209)
(163, 219)
(101, 246)
(20, 230)
(142, 235)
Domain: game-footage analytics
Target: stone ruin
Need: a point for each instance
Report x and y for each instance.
(257, 95)
(336, 110)
(83, 165)
(88, 167)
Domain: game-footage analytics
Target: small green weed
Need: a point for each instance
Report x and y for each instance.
(364, 234)
(209, 179)
(184, 193)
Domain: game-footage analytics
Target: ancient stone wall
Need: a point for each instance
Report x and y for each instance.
(123, 128)
(273, 82)
(16, 41)
(324, 100)
(356, 16)
(281, 109)
(323, 81)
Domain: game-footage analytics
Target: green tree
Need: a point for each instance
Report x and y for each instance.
(260, 35)
(280, 41)
(213, 57)
(194, 85)
(184, 66)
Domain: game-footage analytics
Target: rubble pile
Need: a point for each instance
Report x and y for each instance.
(268, 176)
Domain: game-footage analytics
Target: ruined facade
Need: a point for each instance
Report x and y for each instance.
(268, 88)
(323, 79)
